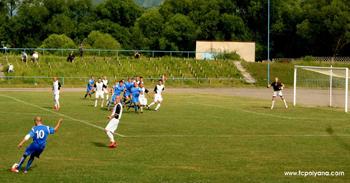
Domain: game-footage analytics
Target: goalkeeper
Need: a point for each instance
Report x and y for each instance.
(277, 87)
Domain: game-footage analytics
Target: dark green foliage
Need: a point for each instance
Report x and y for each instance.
(298, 27)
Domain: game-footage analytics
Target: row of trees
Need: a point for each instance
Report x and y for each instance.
(298, 27)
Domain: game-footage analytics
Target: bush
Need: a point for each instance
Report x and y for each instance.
(58, 41)
(228, 56)
(101, 40)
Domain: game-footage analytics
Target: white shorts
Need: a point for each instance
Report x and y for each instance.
(277, 93)
(158, 98)
(112, 125)
(99, 95)
(143, 100)
(56, 97)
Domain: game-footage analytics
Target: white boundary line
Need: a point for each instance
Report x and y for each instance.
(238, 135)
(59, 114)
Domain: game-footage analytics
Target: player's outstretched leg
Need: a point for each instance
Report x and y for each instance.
(273, 102)
(158, 106)
(96, 102)
(103, 101)
(30, 161)
(16, 169)
(150, 105)
(285, 102)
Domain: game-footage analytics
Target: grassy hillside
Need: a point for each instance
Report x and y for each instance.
(179, 71)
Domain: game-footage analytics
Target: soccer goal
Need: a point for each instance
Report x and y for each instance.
(322, 86)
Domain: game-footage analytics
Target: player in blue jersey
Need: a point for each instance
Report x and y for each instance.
(39, 133)
(128, 86)
(117, 90)
(90, 87)
(135, 93)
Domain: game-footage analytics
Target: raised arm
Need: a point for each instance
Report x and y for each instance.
(58, 124)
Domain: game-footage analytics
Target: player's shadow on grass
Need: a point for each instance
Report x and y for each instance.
(99, 144)
(336, 138)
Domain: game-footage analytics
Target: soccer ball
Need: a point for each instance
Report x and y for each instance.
(14, 166)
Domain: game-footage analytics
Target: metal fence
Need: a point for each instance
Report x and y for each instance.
(116, 53)
(316, 59)
(44, 81)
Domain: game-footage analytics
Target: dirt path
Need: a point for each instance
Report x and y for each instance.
(308, 97)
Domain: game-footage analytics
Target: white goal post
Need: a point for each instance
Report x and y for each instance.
(328, 74)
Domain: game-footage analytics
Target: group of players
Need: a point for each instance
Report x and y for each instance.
(132, 93)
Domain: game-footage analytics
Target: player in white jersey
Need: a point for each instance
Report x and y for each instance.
(99, 89)
(158, 90)
(142, 97)
(106, 89)
(114, 121)
(56, 87)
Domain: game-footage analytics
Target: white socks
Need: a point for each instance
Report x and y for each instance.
(151, 104)
(157, 107)
(285, 103)
(110, 136)
(101, 103)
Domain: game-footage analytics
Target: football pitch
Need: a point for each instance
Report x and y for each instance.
(193, 138)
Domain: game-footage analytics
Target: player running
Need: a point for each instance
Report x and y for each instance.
(129, 84)
(136, 91)
(117, 90)
(142, 97)
(158, 90)
(90, 87)
(114, 121)
(99, 87)
(277, 90)
(56, 87)
(39, 133)
(106, 89)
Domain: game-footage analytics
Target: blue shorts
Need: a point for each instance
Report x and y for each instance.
(34, 150)
(135, 100)
(126, 94)
(88, 89)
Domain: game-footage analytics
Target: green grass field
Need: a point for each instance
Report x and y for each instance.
(193, 138)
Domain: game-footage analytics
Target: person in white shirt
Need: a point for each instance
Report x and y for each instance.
(11, 68)
(35, 57)
(56, 87)
(106, 89)
(142, 97)
(158, 90)
(99, 89)
(114, 121)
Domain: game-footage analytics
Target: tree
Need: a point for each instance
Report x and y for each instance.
(179, 33)
(61, 24)
(123, 12)
(101, 40)
(148, 27)
(58, 41)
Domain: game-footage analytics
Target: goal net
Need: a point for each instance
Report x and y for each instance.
(321, 86)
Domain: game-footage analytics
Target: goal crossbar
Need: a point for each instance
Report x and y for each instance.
(331, 72)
